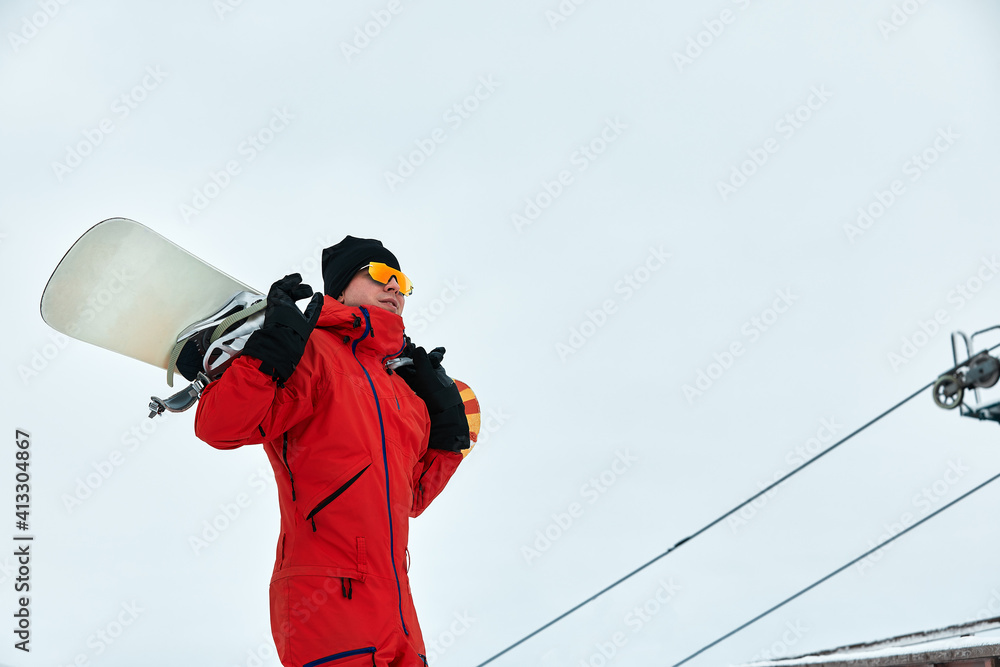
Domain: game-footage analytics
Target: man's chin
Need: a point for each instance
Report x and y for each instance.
(388, 306)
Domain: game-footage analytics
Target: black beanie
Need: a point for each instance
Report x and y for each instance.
(342, 261)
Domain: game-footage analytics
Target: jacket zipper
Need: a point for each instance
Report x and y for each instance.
(385, 464)
(389, 370)
(333, 496)
(284, 457)
(343, 654)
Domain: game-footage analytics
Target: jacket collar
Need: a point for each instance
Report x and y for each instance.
(380, 332)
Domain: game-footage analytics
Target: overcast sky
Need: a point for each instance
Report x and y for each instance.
(676, 248)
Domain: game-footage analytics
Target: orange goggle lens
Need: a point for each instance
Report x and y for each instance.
(383, 273)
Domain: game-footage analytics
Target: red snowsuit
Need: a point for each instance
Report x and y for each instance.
(348, 443)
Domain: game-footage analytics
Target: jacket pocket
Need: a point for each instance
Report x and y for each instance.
(358, 657)
(334, 491)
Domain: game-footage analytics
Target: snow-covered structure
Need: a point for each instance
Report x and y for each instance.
(975, 644)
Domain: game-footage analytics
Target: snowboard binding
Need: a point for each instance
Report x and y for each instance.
(180, 401)
(977, 371)
(205, 349)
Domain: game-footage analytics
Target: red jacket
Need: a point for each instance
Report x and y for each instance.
(348, 443)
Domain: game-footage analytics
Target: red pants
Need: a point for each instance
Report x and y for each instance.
(319, 621)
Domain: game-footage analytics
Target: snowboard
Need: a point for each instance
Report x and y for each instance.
(125, 288)
(472, 414)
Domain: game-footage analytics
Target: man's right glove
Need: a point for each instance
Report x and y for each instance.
(281, 340)
(428, 380)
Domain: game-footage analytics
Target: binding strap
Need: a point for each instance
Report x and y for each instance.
(225, 324)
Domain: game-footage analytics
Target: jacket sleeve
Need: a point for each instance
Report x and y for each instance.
(431, 475)
(245, 406)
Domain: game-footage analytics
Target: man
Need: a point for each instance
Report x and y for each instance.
(357, 448)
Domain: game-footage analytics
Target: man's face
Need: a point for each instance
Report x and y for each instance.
(363, 290)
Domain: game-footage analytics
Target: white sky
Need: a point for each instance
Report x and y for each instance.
(207, 80)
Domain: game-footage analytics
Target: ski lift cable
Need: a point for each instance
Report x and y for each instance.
(718, 520)
(839, 569)
(707, 526)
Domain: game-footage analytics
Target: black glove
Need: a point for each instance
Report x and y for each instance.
(281, 340)
(428, 380)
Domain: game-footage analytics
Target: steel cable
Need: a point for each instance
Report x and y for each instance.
(709, 525)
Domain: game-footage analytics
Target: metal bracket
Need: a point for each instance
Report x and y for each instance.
(180, 401)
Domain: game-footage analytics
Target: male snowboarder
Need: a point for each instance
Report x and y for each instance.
(357, 449)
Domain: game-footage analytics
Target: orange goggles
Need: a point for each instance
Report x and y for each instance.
(383, 273)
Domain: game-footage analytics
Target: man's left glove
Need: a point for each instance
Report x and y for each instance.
(428, 380)
(281, 340)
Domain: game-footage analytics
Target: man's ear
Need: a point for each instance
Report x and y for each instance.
(342, 297)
